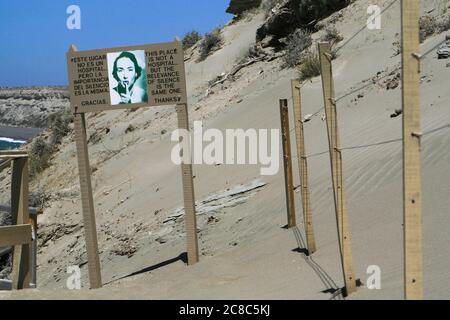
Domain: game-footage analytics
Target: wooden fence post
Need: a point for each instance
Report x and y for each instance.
(188, 193)
(21, 273)
(287, 160)
(336, 167)
(303, 167)
(413, 264)
(87, 201)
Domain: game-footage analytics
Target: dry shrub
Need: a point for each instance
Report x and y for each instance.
(59, 124)
(332, 35)
(210, 43)
(444, 24)
(39, 153)
(296, 43)
(428, 26)
(190, 39)
(310, 66)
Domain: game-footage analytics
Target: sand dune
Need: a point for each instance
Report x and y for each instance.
(246, 254)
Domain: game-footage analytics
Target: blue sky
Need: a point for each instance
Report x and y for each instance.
(34, 37)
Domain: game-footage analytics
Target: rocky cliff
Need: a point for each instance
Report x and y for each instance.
(239, 6)
(30, 107)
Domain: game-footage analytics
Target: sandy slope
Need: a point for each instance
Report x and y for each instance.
(245, 251)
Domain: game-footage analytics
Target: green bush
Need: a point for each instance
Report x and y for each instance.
(210, 43)
(190, 39)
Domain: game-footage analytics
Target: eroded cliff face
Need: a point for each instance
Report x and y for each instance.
(239, 6)
(288, 15)
(30, 107)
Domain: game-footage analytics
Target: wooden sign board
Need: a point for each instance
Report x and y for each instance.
(127, 77)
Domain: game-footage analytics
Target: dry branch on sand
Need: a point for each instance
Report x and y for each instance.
(227, 76)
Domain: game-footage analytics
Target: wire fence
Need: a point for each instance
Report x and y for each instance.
(309, 117)
(363, 28)
(376, 79)
(398, 68)
(376, 144)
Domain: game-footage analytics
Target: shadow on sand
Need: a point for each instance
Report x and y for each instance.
(330, 285)
(182, 257)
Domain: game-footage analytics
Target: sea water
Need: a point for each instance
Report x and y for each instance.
(9, 143)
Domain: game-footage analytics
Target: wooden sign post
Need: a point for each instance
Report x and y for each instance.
(413, 264)
(287, 160)
(188, 193)
(127, 78)
(336, 167)
(303, 167)
(87, 202)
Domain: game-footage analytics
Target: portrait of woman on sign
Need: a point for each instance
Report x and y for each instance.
(128, 77)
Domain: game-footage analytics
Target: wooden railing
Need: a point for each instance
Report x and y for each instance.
(22, 233)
